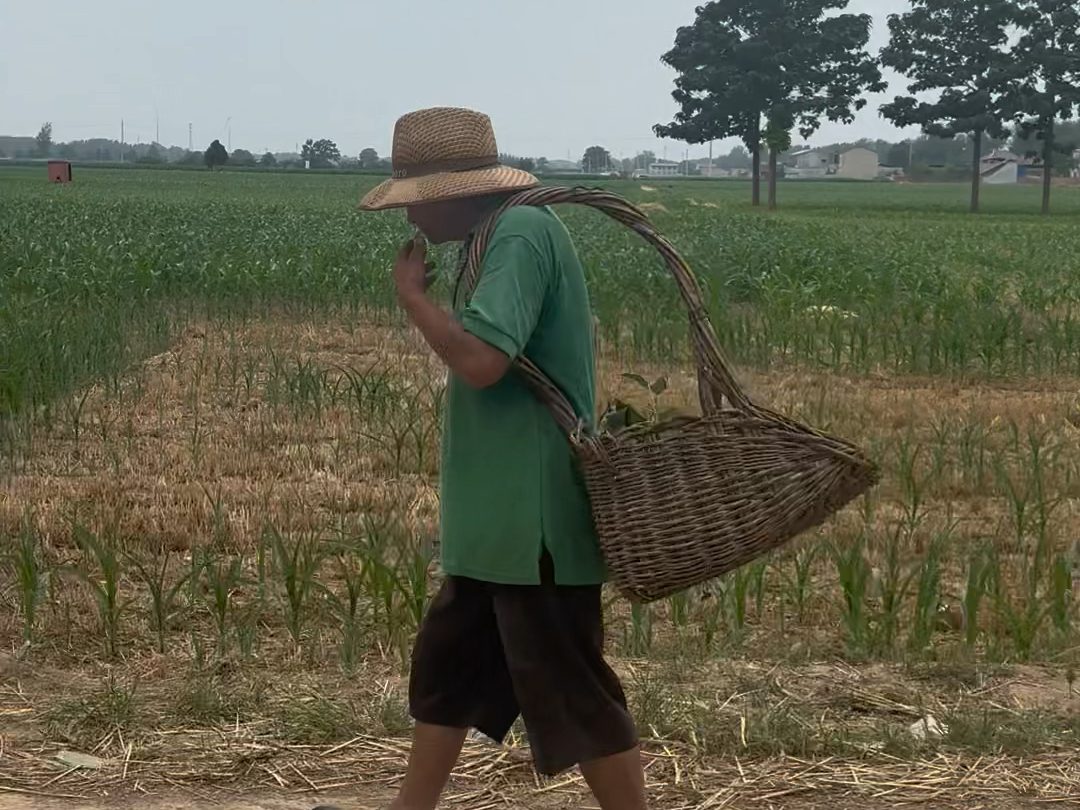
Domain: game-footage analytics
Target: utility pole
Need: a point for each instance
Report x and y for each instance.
(189, 139)
(157, 128)
(121, 140)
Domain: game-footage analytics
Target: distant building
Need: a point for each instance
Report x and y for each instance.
(807, 163)
(1000, 168)
(663, 168)
(562, 167)
(857, 163)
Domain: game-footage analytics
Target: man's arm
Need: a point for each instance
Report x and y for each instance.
(477, 363)
(497, 324)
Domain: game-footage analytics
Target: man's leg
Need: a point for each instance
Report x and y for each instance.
(435, 750)
(572, 702)
(618, 781)
(458, 681)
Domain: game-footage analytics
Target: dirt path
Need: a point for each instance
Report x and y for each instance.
(377, 801)
(188, 801)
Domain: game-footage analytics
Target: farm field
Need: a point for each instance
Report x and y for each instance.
(219, 448)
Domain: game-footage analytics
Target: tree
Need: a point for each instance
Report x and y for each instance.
(192, 159)
(959, 48)
(1048, 55)
(777, 137)
(215, 156)
(643, 160)
(541, 165)
(242, 157)
(596, 159)
(899, 155)
(43, 140)
(268, 160)
(527, 164)
(737, 158)
(745, 65)
(152, 157)
(321, 154)
(369, 159)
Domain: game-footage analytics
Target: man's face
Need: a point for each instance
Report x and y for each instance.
(439, 222)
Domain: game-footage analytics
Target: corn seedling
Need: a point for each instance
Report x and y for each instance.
(29, 574)
(928, 592)
(853, 572)
(101, 570)
(346, 608)
(223, 577)
(298, 560)
(164, 605)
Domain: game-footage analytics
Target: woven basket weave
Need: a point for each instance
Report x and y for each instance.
(679, 503)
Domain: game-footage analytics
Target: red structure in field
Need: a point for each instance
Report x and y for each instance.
(59, 171)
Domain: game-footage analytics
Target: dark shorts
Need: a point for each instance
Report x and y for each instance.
(487, 653)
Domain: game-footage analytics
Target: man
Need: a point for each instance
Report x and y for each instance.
(517, 626)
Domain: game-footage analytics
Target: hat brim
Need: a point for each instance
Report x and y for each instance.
(400, 192)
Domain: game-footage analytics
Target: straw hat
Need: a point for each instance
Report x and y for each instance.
(444, 153)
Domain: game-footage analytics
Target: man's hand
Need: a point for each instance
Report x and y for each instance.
(413, 274)
(473, 360)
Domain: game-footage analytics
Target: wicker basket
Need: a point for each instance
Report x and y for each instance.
(679, 503)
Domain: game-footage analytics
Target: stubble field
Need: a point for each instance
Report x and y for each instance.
(219, 450)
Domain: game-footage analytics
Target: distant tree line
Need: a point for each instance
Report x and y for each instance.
(759, 71)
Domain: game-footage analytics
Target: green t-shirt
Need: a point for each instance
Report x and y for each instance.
(510, 485)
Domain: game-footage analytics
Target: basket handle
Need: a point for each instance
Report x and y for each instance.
(716, 382)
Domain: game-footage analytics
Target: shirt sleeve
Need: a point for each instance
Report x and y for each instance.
(509, 296)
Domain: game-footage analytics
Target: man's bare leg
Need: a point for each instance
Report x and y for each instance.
(435, 751)
(617, 782)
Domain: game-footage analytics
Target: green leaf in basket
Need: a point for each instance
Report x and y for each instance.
(659, 386)
(614, 421)
(621, 415)
(636, 378)
(634, 416)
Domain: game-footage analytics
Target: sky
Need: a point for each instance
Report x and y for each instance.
(555, 77)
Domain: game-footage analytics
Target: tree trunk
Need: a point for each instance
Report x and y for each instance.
(772, 179)
(1048, 164)
(756, 155)
(976, 170)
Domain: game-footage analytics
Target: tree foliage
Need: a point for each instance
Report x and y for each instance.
(595, 160)
(960, 50)
(321, 154)
(369, 158)
(216, 155)
(747, 65)
(242, 157)
(43, 140)
(268, 160)
(1048, 54)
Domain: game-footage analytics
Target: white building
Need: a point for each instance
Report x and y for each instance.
(857, 163)
(663, 168)
(1000, 168)
(808, 163)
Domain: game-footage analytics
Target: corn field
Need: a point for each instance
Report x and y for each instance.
(219, 443)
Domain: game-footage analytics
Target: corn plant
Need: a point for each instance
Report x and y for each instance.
(346, 608)
(223, 577)
(298, 560)
(797, 584)
(853, 572)
(102, 570)
(928, 592)
(29, 574)
(164, 604)
(978, 580)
